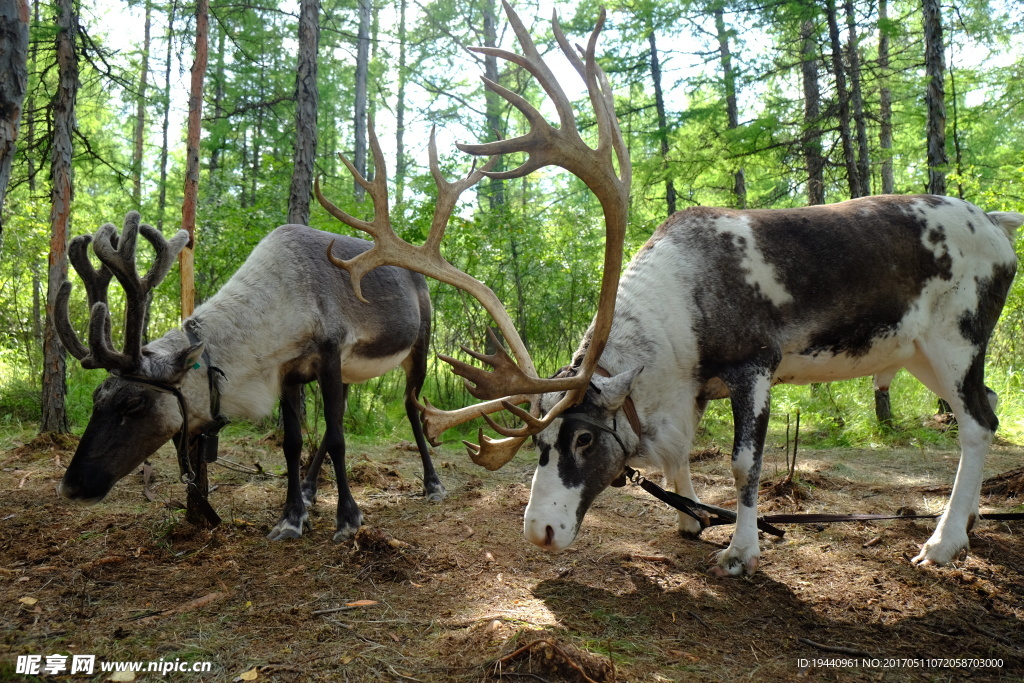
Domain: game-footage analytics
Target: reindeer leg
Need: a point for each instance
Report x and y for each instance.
(956, 373)
(312, 478)
(750, 387)
(295, 518)
(335, 395)
(415, 374)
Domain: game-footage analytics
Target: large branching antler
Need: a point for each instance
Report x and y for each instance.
(117, 259)
(512, 382)
(562, 146)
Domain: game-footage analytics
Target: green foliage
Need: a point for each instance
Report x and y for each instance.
(540, 247)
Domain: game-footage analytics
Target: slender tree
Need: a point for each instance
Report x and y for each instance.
(13, 84)
(842, 101)
(216, 141)
(495, 128)
(140, 112)
(732, 110)
(659, 104)
(857, 100)
(884, 99)
(307, 97)
(54, 415)
(362, 93)
(813, 158)
(935, 96)
(403, 79)
(165, 127)
(186, 259)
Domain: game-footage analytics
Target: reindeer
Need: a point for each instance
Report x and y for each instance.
(723, 303)
(286, 318)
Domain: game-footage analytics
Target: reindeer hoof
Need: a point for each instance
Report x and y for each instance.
(284, 530)
(436, 493)
(732, 563)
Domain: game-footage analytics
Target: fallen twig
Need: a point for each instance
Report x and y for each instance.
(852, 651)
(207, 599)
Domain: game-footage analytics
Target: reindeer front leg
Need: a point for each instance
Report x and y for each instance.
(295, 517)
(750, 388)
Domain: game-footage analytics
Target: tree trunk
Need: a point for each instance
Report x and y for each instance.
(958, 150)
(493, 120)
(843, 101)
(13, 84)
(306, 100)
(857, 99)
(935, 96)
(162, 201)
(812, 117)
(659, 103)
(216, 142)
(884, 99)
(140, 114)
(362, 94)
(54, 415)
(400, 161)
(190, 200)
(729, 76)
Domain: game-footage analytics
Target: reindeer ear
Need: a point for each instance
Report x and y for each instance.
(189, 357)
(615, 390)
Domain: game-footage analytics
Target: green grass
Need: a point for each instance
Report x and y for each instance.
(837, 415)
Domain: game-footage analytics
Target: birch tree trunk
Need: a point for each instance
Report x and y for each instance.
(307, 98)
(54, 416)
(13, 84)
(935, 96)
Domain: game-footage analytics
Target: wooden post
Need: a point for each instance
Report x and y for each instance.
(186, 259)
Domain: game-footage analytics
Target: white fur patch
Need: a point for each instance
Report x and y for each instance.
(552, 505)
(757, 272)
(355, 369)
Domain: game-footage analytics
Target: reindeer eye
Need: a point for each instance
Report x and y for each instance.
(134, 407)
(584, 439)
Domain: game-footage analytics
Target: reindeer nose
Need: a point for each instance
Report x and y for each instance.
(549, 535)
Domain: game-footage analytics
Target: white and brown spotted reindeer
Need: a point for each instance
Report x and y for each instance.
(285, 318)
(724, 303)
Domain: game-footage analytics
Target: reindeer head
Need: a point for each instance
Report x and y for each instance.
(511, 382)
(134, 412)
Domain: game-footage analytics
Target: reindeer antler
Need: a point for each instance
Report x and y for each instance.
(117, 259)
(509, 382)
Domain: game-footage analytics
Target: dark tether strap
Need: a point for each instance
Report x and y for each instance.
(715, 515)
(188, 475)
(706, 515)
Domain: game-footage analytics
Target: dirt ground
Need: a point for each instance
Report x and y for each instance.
(452, 591)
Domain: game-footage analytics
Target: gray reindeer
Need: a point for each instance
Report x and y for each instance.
(286, 318)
